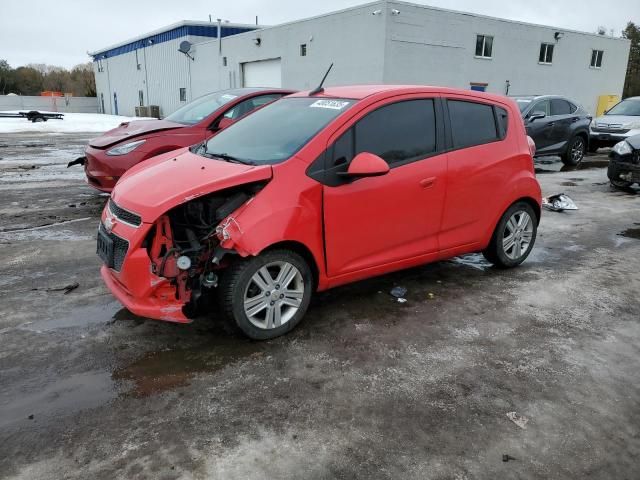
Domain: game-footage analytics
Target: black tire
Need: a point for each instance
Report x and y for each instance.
(621, 184)
(576, 149)
(495, 252)
(237, 279)
(613, 173)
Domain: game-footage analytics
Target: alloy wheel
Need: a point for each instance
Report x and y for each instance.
(274, 295)
(518, 233)
(577, 150)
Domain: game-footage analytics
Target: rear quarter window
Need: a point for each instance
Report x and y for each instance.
(472, 123)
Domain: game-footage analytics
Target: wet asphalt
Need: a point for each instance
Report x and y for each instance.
(365, 387)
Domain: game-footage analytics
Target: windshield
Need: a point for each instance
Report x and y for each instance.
(626, 107)
(523, 103)
(277, 131)
(200, 108)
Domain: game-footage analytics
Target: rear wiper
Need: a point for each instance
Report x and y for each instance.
(229, 158)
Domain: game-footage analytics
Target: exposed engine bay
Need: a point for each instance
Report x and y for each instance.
(184, 245)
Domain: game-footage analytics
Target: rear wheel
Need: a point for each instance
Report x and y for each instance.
(514, 236)
(266, 296)
(575, 151)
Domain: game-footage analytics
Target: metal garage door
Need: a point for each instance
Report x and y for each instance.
(264, 73)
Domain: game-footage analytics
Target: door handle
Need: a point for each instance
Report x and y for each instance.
(428, 182)
(551, 124)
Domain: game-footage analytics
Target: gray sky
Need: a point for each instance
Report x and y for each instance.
(68, 29)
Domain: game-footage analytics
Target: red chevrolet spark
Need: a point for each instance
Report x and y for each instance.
(315, 191)
(110, 155)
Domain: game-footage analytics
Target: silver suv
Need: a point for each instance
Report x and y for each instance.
(619, 123)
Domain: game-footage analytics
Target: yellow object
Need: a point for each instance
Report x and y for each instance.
(605, 102)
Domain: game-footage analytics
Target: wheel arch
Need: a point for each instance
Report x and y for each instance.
(302, 250)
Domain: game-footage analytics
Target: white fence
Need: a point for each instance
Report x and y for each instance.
(49, 104)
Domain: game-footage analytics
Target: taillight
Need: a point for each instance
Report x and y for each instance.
(532, 146)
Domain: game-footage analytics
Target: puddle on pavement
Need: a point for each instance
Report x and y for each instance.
(63, 397)
(82, 317)
(156, 372)
(631, 233)
(569, 184)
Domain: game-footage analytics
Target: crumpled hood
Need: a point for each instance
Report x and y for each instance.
(634, 142)
(155, 186)
(130, 130)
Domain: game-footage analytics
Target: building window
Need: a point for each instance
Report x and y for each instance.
(303, 50)
(484, 46)
(141, 97)
(183, 94)
(596, 58)
(546, 53)
(224, 61)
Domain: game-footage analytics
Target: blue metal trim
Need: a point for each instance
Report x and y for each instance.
(185, 30)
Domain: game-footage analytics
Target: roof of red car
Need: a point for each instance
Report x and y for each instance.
(358, 92)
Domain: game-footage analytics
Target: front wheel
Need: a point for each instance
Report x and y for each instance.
(575, 151)
(266, 296)
(621, 184)
(514, 236)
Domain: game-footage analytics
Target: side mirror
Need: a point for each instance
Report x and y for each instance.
(223, 123)
(536, 116)
(366, 164)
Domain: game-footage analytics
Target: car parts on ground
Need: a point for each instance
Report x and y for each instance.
(624, 163)
(559, 203)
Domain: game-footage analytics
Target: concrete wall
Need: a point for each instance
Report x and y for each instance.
(426, 45)
(49, 104)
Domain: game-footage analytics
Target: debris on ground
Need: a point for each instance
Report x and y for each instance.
(66, 289)
(398, 292)
(506, 457)
(431, 296)
(559, 203)
(519, 420)
(402, 300)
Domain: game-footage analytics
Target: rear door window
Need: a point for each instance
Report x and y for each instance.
(471, 123)
(399, 133)
(560, 107)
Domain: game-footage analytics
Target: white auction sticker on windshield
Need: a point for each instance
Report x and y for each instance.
(332, 104)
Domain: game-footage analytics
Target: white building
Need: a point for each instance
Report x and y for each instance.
(386, 41)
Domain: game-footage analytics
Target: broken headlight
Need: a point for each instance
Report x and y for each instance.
(623, 148)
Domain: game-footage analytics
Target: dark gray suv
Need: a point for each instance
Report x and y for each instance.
(557, 125)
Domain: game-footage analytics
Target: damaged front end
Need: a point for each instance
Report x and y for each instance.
(178, 258)
(624, 162)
